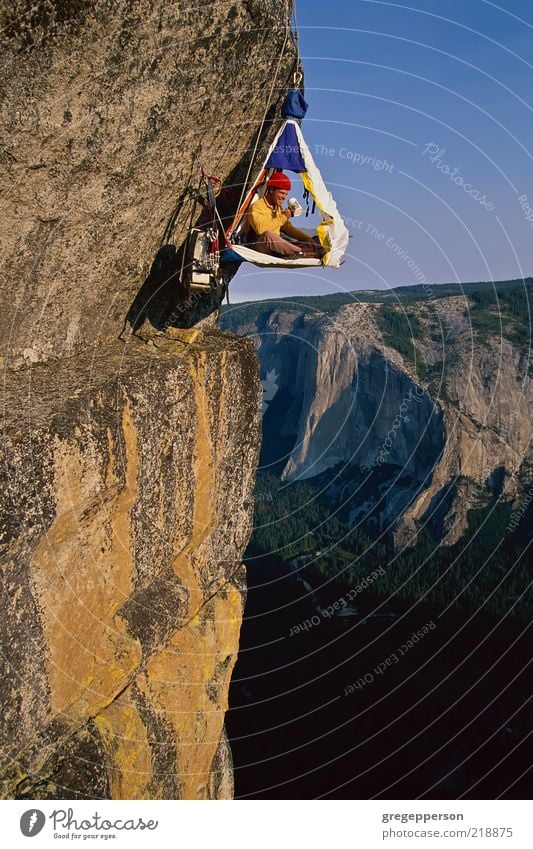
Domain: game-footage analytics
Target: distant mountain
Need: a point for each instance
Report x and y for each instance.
(234, 316)
(406, 413)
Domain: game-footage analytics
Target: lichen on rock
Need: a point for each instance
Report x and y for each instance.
(126, 588)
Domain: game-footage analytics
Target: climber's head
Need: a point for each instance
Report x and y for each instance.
(278, 187)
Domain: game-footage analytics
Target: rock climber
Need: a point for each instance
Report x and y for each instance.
(266, 221)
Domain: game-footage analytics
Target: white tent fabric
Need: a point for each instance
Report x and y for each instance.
(258, 258)
(333, 224)
(332, 231)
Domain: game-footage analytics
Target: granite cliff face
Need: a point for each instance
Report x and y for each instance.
(427, 438)
(126, 498)
(126, 502)
(108, 110)
(128, 467)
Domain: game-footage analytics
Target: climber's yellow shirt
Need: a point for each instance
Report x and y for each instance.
(262, 216)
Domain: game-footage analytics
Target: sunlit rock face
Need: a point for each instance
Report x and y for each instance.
(127, 507)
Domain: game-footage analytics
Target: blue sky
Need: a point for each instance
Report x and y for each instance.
(405, 96)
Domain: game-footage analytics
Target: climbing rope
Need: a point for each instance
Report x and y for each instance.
(213, 184)
(187, 194)
(254, 152)
(296, 36)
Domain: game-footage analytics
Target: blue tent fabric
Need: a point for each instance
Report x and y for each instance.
(227, 255)
(287, 154)
(294, 105)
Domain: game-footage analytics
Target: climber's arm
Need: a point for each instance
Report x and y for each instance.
(292, 231)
